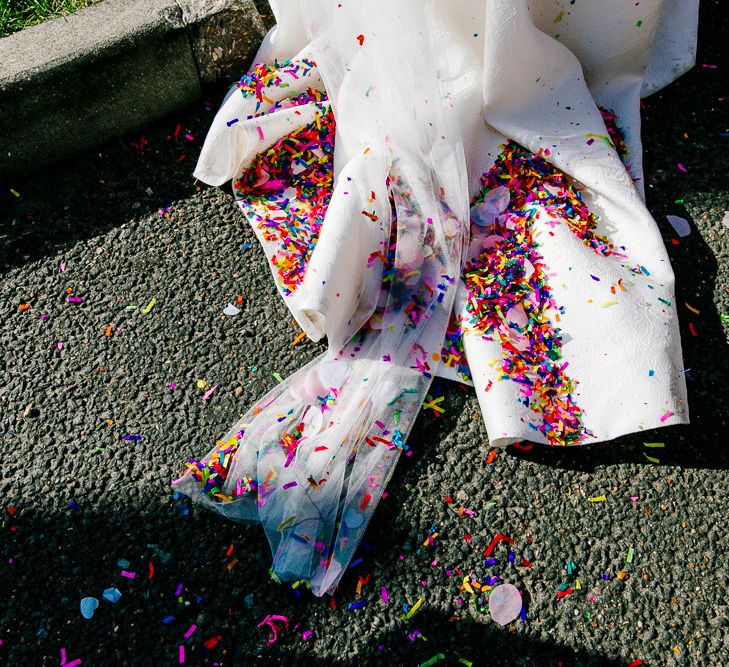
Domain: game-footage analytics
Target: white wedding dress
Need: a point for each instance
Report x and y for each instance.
(444, 188)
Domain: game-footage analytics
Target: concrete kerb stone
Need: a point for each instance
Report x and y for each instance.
(74, 82)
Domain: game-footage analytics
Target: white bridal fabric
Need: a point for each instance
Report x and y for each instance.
(559, 287)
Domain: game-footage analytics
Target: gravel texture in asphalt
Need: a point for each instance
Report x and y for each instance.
(620, 550)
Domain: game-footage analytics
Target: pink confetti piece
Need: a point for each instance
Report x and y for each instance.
(172, 385)
(190, 631)
(128, 575)
(666, 415)
(269, 621)
(385, 596)
(64, 659)
(182, 653)
(62, 266)
(207, 394)
(305, 635)
(682, 168)
(189, 137)
(44, 316)
(59, 345)
(260, 133)
(634, 498)
(74, 299)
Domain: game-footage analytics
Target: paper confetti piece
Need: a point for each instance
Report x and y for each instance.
(298, 338)
(149, 306)
(231, 310)
(680, 225)
(277, 377)
(597, 499)
(207, 394)
(666, 415)
(652, 459)
(413, 610)
(384, 595)
(629, 557)
(431, 661)
(654, 444)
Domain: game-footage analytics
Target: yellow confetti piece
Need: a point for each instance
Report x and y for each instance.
(429, 538)
(607, 304)
(201, 384)
(285, 523)
(149, 306)
(15, 192)
(597, 499)
(413, 609)
(693, 310)
(467, 585)
(432, 405)
(578, 585)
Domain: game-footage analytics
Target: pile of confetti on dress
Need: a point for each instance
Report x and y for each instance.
(443, 189)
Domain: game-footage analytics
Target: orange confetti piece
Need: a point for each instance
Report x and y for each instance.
(24, 306)
(108, 331)
(491, 456)
(298, 338)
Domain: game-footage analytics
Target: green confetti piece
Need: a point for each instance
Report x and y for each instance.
(278, 377)
(433, 660)
(652, 459)
(629, 558)
(654, 444)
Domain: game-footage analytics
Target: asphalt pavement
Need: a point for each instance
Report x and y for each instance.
(619, 549)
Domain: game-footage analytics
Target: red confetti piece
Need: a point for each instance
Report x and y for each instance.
(565, 593)
(360, 39)
(499, 537)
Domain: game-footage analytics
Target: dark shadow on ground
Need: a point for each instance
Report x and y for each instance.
(91, 193)
(183, 577)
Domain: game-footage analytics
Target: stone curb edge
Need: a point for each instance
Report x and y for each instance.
(73, 82)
